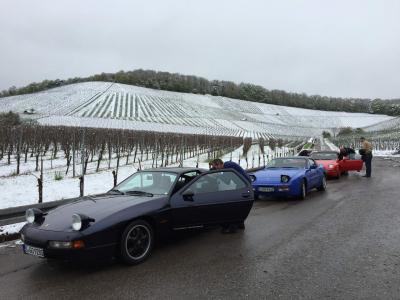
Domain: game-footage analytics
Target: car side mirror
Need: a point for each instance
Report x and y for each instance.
(188, 195)
(313, 167)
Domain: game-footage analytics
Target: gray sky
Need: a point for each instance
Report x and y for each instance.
(343, 48)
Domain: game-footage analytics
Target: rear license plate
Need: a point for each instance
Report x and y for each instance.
(266, 189)
(33, 251)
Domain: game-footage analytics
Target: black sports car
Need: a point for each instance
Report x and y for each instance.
(125, 221)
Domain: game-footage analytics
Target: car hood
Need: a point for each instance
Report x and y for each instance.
(274, 175)
(98, 207)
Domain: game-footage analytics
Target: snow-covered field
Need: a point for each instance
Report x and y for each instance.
(112, 105)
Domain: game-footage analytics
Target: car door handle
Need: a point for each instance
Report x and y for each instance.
(245, 195)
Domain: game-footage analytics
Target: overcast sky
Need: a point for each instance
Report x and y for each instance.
(342, 48)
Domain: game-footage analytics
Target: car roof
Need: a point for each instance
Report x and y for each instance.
(328, 151)
(174, 170)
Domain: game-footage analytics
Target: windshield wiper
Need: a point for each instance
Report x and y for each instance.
(117, 191)
(140, 193)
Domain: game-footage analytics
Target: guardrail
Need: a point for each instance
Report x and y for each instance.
(14, 215)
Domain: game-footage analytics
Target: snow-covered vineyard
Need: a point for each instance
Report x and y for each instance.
(112, 105)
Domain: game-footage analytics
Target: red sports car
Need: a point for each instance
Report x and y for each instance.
(335, 167)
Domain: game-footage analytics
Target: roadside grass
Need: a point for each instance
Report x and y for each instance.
(58, 176)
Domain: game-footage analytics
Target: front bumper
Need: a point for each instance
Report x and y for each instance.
(274, 190)
(39, 239)
(331, 172)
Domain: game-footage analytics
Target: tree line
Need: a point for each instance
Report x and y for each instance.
(193, 84)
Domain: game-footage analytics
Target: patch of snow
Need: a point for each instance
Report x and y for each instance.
(11, 229)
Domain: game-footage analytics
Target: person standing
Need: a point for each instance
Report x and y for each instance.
(366, 156)
(218, 164)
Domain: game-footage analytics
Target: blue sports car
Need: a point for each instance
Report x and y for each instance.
(288, 176)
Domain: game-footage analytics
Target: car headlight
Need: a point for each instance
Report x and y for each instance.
(30, 216)
(285, 178)
(80, 221)
(76, 222)
(34, 215)
(331, 166)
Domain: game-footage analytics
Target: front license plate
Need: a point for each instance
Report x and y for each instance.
(33, 251)
(267, 189)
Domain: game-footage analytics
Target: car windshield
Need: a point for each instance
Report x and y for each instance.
(147, 183)
(324, 155)
(287, 163)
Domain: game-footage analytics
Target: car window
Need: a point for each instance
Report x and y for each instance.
(151, 182)
(324, 155)
(287, 163)
(217, 182)
(184, 179)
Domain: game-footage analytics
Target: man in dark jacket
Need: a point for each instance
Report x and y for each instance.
(218, 164)
(346, 151)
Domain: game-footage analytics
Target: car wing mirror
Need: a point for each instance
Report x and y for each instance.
(188, 195)
(313, 167)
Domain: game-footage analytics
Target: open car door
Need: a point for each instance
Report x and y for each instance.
(213, 197)
(351, 164)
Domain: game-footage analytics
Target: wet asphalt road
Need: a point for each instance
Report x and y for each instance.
(341, 244)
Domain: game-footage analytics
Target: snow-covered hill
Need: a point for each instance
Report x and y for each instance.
(112, 105)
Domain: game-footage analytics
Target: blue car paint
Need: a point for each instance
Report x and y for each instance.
(272, 178)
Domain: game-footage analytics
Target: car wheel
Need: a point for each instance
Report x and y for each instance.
(338, 174)
(322, 187)
(303, 190)
(136, 242)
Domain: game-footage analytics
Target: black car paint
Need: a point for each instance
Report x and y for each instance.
(102, 236)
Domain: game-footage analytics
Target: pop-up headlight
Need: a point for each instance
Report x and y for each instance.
(34, 215)
(80, 221)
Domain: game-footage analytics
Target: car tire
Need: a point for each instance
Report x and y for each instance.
(303, 190)
(136, 242)
(322, 187)
(338, 174)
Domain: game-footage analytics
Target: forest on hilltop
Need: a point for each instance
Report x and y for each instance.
(244, 91)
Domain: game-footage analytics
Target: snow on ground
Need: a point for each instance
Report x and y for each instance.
(380, 153)
(386, 153)
(11, 229)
